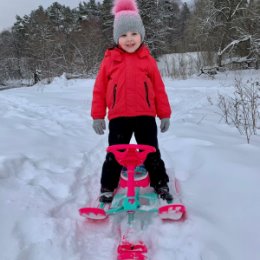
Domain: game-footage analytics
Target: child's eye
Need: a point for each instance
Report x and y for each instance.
(134, 33)
(123, 35)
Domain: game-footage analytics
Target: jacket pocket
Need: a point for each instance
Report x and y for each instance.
(114, 95)
(147, 93)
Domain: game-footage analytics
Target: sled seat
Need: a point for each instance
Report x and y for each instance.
(141, 177)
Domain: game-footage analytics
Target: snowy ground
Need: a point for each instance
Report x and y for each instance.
(50, 160)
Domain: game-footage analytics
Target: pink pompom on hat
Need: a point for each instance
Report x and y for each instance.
(127, 19)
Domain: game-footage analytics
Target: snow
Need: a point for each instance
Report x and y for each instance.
(50, 162)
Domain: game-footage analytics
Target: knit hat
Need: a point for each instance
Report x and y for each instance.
(127, 19)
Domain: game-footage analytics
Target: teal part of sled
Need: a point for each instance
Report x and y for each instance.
(146, 202)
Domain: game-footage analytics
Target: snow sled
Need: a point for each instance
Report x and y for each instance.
(135, 195)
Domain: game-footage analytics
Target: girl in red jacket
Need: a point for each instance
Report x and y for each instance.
(130, 91)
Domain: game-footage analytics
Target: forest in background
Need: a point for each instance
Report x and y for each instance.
(56, 40)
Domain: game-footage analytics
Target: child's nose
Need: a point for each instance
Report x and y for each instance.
(129, 38)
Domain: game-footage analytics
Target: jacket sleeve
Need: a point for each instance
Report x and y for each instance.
(98, 108)
(163, 108)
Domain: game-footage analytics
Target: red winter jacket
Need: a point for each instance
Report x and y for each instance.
(129, 84)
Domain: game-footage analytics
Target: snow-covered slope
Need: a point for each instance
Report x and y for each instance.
(50, 162)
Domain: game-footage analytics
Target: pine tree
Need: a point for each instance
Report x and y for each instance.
(89, 10)
(88, 40)
(107, 23)
(155, 32)
(170, 13)
(183, 24)
(39, 42)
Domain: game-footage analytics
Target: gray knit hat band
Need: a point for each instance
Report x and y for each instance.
(128, 22)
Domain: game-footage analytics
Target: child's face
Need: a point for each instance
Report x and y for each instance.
(130, 41)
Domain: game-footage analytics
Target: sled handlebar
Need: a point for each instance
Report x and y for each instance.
(131, 155)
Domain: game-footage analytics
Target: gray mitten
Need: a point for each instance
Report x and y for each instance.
(165, 123)
(99, 125)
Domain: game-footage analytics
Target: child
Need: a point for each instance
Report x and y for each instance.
(130, 87)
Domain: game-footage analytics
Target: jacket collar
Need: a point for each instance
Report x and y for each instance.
(117, 53)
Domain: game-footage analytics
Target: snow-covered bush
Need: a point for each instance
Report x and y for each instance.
(184, 65)
(242, 109)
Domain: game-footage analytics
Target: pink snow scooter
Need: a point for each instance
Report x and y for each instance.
(133, 195)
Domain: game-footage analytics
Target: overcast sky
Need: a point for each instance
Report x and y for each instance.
(10, 8)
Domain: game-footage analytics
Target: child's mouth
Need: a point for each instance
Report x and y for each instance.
(130, 45)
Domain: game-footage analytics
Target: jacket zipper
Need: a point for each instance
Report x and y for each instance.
(114, 96)
(147, 94)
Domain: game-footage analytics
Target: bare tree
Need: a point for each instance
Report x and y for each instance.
(226, 26)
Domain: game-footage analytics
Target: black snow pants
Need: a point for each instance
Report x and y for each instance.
(121, 130)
